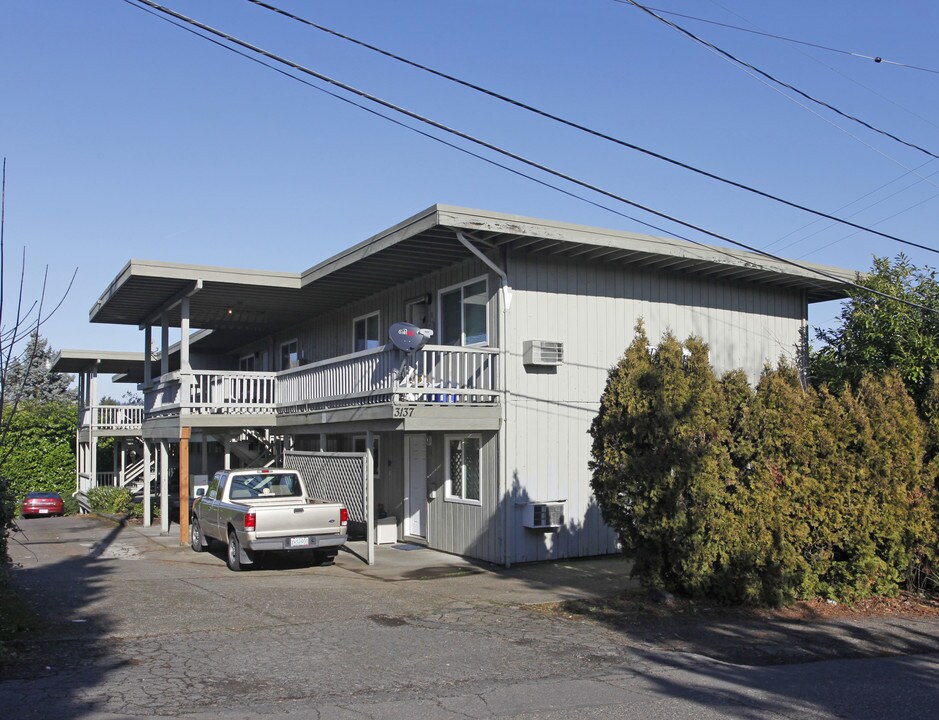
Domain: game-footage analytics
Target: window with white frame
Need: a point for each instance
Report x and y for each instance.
(463, 316)
(365, 332)
(289, 355)
(358, 445)
(463, 466)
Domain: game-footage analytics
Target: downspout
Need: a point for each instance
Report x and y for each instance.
(505, 302)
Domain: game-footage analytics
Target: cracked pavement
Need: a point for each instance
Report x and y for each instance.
(150, 629)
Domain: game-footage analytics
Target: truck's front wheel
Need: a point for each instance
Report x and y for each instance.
(234, 552)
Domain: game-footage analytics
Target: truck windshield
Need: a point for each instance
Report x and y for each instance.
(265, 485)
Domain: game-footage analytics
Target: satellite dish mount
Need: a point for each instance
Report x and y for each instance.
(409, 338)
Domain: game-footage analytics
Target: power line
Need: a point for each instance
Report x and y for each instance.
(876, 58)
(854, 81)
(779, 82)
(857, 212)
(514, 156)
(583, 128)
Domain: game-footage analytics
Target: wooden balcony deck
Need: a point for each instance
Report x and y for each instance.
(459, 381)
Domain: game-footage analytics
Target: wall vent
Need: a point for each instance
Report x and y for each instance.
(543, 515)
(543, 352)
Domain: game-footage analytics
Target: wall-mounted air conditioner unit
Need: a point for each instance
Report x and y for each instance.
(543, 352)
(543, 515)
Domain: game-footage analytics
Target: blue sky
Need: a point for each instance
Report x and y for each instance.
(126, 137)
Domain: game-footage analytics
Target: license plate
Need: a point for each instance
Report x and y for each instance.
(43, 511)
(296, 542)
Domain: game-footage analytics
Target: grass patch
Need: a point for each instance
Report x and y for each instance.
(17, 619)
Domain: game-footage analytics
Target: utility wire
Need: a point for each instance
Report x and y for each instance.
(514, 156)
(782, 83)
(583, 128)
(857, 212)
(420, 132)
(876, 58)
(908, 171)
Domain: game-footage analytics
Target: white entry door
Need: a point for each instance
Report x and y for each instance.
(416, 486)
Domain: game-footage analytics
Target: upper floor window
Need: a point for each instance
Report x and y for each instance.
(248, 363)
(289, 355)
(365, 332)
(463, 316)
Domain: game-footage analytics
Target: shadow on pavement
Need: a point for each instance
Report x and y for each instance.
(68, 656)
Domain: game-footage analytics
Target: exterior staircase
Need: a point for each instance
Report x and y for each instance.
(255, 449)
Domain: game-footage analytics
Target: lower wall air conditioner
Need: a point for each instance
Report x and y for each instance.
(543, 515)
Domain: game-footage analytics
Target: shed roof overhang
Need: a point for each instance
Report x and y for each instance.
(242, 305)
(99, 361)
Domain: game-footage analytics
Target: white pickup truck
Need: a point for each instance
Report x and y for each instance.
(265, 510)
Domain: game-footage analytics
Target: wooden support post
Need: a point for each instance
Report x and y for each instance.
(164, 488)
(184, 434)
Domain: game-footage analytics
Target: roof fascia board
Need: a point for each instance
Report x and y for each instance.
(73, 361)
(181, 271)
(567, 232)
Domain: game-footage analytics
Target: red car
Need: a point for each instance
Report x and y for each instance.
(43, 503)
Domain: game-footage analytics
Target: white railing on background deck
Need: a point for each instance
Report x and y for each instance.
(435, 374)
(118, 417)
(112, 417)
(106, 478)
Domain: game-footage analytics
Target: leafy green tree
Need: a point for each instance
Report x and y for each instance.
(41, 451)
(20, 321)
(876, 334)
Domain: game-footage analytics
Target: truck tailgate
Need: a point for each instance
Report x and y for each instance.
(281, 518)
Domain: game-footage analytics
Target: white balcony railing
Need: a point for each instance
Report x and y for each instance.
(433, 375)
(112, 417)
(436, 374)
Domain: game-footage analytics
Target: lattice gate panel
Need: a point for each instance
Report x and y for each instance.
(340, 477)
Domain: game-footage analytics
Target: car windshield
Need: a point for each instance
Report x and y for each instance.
(43, 496)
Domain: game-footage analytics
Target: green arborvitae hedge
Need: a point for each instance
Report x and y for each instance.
(765, 495)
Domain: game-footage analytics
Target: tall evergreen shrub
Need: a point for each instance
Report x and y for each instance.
(765, 495)
(661, 461)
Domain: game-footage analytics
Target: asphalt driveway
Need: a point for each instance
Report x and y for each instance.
(146, 628)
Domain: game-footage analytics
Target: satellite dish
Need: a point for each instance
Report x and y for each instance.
(408, 337)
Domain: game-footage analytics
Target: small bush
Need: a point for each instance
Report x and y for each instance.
(71, 505)
(111, 500)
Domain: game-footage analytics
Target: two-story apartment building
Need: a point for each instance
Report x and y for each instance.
(480, 438)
